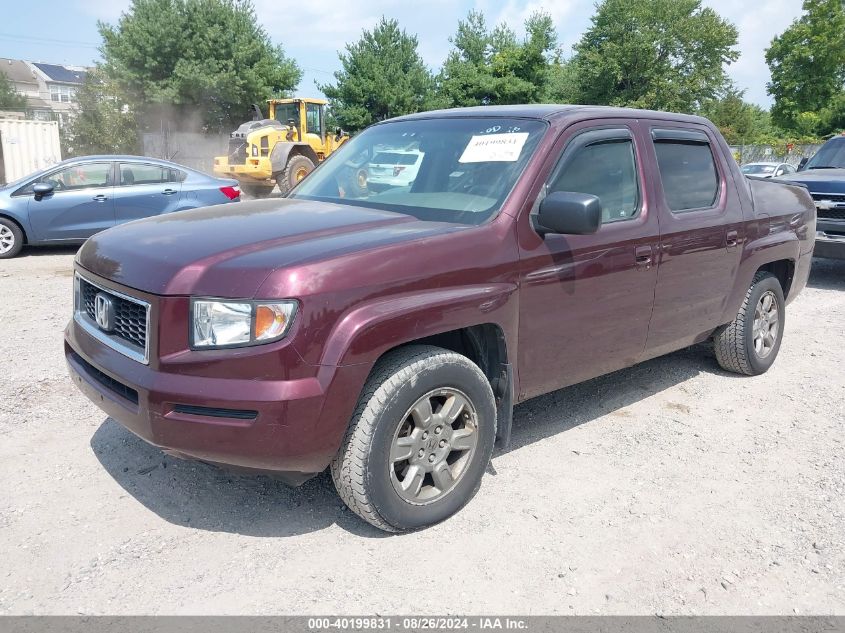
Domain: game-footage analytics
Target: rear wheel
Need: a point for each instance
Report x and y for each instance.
(11, 239)
(257, 191)
(297, 168)
(420, 439)
(750, 343)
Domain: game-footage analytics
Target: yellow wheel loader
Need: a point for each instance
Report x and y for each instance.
(281, 149)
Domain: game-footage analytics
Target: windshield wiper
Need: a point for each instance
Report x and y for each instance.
(825, 167)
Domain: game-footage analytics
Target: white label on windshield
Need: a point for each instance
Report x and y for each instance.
(494, 148)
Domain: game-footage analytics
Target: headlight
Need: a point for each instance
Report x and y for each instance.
(239, 323)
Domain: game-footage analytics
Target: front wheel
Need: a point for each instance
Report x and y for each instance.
(419, 441)
(298, 167)
(750, 343)
(11, 239)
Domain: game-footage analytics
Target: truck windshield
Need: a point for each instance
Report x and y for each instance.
(468, 167)
(830, 156)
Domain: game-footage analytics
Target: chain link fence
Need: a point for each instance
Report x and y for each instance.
(771, 154)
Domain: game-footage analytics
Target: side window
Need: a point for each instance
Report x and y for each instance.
(313, 120)
(688, 172)
(604, 168)
(141, 174)
(78, 177)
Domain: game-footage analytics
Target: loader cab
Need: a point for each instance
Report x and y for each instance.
(308, 116)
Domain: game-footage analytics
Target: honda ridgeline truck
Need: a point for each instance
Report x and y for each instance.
(387, 335)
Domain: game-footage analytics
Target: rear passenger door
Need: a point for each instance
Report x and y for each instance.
(701, 232)
(586, 300)
(145, 189)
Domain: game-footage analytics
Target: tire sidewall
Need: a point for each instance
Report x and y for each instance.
(290, 172)
(760, 365)
(17, 234)
(392, 508)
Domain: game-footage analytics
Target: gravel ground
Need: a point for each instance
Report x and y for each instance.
(671, 487)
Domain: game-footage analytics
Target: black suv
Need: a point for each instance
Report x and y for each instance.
(824, 176)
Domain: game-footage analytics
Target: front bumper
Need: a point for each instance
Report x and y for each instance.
(830, 239)
(290, 422)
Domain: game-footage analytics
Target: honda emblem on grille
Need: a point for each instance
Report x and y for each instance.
(104, 312)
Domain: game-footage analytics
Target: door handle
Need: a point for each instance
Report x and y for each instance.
(732, 238)
(101, 198)
(642, 255)
(168, 192)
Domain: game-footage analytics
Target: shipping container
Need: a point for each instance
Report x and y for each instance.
(26, 147)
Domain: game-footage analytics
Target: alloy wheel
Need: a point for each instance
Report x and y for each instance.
(433, 446)
(7, 239)
(766, 324)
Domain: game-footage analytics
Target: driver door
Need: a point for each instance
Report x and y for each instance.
(81, 203)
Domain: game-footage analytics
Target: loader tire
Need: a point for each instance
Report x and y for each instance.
(297, 168)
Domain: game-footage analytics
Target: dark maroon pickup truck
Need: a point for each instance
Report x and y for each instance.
(387, 334)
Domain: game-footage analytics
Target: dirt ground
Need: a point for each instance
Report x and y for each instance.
(671, 488)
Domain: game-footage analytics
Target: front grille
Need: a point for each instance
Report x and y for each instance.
(127, 329)
(130, 318)
(833, 197)
(107, 381)
(831, 214)
(237, 151)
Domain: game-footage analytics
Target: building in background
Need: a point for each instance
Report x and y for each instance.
(50, 89)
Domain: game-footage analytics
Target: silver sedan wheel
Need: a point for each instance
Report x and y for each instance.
(766, 324)
(7, 239)
(433, 446)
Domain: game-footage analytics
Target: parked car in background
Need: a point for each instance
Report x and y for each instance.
(71, 201)
(393, 168)
(767, 170)
(824, 175)
(387, 336)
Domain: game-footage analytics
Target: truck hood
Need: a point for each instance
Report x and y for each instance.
(229, 250)
(820, 180)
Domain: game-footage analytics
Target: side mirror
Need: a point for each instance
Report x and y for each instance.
(41, 189)
(802, 163)
(569, 212)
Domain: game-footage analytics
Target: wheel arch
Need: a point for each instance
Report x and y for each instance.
(282, 152)
(18, 223)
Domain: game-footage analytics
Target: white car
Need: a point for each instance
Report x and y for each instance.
(767, 170)
(393, 168)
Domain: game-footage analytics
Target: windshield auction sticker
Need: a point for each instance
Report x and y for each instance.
(494, 148)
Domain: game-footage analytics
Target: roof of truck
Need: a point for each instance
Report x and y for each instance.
(549, 112)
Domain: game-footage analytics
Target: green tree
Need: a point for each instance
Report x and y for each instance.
(741, 122)
(10, 99)
(102, 121)
(208, 60)
(382, 76)
(657, 54)
(494, 67)
(807, 63)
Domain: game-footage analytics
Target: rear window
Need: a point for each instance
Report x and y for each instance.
(688, 172)
(390, 158)
(758, 169)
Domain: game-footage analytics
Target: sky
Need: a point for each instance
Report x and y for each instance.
(65, 31)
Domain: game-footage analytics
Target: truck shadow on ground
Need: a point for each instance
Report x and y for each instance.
(206, 497)
(827, 274)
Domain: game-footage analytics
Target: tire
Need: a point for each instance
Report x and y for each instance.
(257, 191)
(297, 168)
(740, 347)
(368, 470)
(11, 239)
